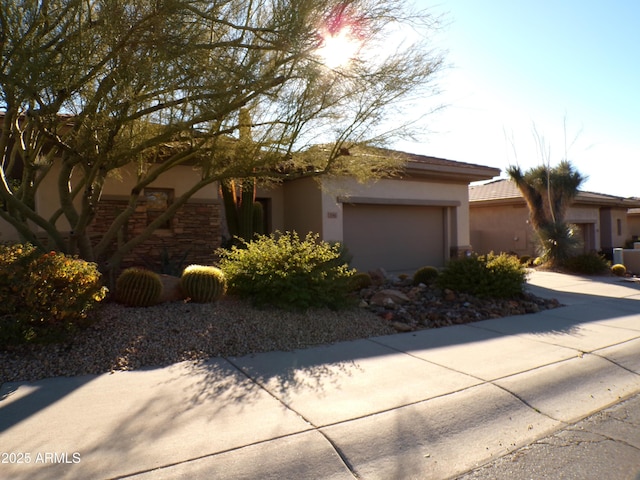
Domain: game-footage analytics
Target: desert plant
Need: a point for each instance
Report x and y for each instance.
(526, 260)
(494, 276)
(284, 271)
(359, 280)
(138, 287)
(619, 270)
(203, 284)
(587, 264)
(44, 296)
(558, 243)
(426, 275)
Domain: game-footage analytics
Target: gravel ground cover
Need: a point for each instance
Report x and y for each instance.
(124, 338)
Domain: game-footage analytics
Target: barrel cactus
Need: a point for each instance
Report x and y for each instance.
(426, 275)
(203, 284)
(619, 270)
(137, 287)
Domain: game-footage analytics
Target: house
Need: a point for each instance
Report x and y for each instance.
(633, 220)
(499, 219)
(420, 217)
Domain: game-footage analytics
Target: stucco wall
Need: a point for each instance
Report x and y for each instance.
(502, 229)
(506, 228)
(7, 232)
(303, 212)
(633, 223)
(615, 228)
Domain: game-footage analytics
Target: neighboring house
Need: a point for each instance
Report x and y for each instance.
(499, 219)
(419, 218)
(633, 220)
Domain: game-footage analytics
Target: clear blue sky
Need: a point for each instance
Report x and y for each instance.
(519, 63)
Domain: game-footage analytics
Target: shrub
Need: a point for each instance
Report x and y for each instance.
(494, 276)
(138, 287)
(538, 261)
(587, 264)
(426, 275)
(203, 284)
(526, 260)
(284, 271)
(44, 296)
(619, 270)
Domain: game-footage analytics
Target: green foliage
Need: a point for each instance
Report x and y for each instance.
(284, 271)
(203, 284)
(258, 218)
(619, 270)
(426, 275)
(538, 261)
(526, 260)
(493, 276)
(587, 264)
(359, 280)
(138, 287)
(558, 242)
(44, 296)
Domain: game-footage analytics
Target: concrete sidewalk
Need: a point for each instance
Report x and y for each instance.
(428, 404)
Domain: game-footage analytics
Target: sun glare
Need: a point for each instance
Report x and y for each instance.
(338, 48)
(341, 37)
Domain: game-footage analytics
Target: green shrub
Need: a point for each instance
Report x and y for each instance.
(138, 287)
(426, 275)
(587, 264)
(619, 270)
(493, 276)
(538, 261)
(44, 296)
(284, 271)
(203, 284)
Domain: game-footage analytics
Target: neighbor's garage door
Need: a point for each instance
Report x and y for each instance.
(394, 237)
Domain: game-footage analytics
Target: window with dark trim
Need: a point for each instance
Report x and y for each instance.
(158, 200)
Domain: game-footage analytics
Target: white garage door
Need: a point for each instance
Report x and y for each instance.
(398, 238)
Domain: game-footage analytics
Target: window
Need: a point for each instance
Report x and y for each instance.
(158, 200)
(619, 226)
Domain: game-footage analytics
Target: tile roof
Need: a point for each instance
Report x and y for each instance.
(504, 190)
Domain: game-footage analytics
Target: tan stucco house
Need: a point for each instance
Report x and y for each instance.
(499, 219)
(420, 217)
(633, 220)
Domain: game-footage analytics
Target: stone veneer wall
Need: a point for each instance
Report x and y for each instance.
(195, 230)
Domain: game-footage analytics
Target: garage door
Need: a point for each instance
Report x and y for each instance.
(398, 238)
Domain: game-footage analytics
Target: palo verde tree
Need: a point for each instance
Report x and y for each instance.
(91, 87)
(549, 191)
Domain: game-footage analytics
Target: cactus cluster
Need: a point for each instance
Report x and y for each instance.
(137, 287)
(203, 284)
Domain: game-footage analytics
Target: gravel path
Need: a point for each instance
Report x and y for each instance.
(129, 338)
(125, 338)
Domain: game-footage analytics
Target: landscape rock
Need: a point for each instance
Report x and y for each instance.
(388, 297)
(408, 307)
(171, 289)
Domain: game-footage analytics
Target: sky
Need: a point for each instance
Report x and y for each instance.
(515, 67)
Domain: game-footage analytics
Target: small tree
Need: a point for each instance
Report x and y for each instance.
(88, 88)
(549, 193)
